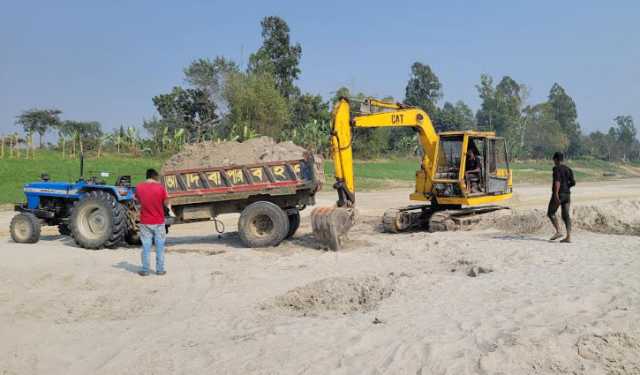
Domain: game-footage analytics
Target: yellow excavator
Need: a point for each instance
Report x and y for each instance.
(461, 175)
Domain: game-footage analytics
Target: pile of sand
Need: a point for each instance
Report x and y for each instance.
(253, 151)
(619, 217)
(518, 221)
(338, 294)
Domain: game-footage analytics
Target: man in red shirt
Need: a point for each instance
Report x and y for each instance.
(152, 197)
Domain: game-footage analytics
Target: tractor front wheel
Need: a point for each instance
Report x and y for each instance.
(98, 220)
(25, 228)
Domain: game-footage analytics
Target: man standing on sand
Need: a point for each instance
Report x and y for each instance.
(563, 181)
(153, 198)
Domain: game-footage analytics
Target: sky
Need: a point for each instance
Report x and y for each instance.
(104, 61)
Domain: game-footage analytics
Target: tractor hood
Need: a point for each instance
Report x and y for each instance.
(51, 187)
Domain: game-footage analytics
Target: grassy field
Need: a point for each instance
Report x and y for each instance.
(15, 173)
(370, 175)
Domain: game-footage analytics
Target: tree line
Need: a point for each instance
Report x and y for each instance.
(220, 101)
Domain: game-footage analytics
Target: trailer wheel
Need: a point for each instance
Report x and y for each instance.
(263, 224)
(25, 228)
(98, 220)
(294, 223)
(64, 229)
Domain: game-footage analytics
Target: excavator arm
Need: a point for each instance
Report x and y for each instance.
(330, 224)
(392, 115)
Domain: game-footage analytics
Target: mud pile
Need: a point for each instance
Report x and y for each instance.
(337, 294)
(210, 154)
(619, 217)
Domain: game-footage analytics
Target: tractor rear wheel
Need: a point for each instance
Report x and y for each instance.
(132, 237)
(98, 220)
(263, 224)
(25, 228)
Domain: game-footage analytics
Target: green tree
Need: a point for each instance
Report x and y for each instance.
(277, 56)
(543, 134)
(210, 76)
(190, 109)
(308, 108)
(456, 116)
(564, 111)
(423, 89)
(88, 130)
(502, 108)
(86, 133)
(508, 105)
(39, 121)
(625, 134)
(159, 131)
(255, 104)
(486, 115)
(601, 145)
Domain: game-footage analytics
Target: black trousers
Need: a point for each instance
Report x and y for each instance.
(565, 205)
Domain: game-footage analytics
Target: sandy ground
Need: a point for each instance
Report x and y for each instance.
(479, 302)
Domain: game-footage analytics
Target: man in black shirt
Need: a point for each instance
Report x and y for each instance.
(563, 181)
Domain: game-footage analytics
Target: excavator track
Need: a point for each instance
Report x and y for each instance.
(396, 220)
(434, 220)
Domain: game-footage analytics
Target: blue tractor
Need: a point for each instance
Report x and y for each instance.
(95, 214)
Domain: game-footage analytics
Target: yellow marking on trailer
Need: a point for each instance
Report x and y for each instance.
(257, 175)
(193, 180)
(297, 170)
(236, 176)
(214, 178)
(170, 182)
(279, 172)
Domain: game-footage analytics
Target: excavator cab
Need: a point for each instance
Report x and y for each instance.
(469, 165)
(461, 173)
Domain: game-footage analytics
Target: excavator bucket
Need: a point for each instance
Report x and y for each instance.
(331, 224)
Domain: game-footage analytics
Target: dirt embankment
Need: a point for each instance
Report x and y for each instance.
(253, 151)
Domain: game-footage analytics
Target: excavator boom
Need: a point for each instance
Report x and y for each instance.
(393, 115)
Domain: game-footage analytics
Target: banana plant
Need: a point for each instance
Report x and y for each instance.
(133, 138)
(165, 139)
(117, 140)
(103, 140)
(178, 139)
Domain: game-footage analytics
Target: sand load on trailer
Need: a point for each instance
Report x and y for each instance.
(253, 151)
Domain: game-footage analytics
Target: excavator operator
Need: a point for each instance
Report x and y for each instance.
(472, 170)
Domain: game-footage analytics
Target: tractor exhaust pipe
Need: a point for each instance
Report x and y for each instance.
(82, 166)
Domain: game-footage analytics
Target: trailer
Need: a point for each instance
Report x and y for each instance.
(269, 196)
